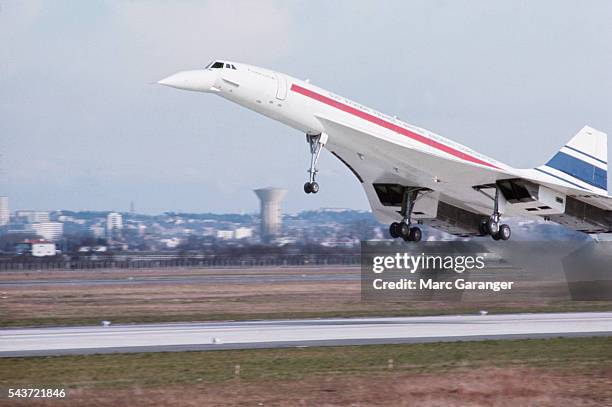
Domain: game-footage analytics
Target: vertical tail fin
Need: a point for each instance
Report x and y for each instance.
(583, 160)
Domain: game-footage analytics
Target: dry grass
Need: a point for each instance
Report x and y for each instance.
(552, 372)
(486, 387)
(245, 299)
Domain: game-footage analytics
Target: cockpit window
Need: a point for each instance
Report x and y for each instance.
(219, 65)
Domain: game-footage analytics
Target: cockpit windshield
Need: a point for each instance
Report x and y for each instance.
(219, 65)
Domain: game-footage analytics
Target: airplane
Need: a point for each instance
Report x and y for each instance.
(412, 176)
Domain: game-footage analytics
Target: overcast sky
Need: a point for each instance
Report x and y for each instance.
(82, 127)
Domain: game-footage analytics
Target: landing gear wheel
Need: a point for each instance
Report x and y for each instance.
(492, 227)
(415, 234)
(496, 236)
(404, 230)
(482, 228)
(311, 187)
(504, 232)
(394, 230)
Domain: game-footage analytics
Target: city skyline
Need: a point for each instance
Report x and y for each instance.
(256, 209)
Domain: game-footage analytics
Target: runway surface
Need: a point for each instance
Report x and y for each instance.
(297, 333)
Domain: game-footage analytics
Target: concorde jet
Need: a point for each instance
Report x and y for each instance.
(413, 176)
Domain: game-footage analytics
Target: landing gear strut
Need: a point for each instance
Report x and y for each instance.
(404, 229)
(316, 143)
(491, 226)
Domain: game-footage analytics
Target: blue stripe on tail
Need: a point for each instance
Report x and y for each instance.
(579, 169)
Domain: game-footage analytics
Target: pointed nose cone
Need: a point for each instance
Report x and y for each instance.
(173, 81)
(201, 80)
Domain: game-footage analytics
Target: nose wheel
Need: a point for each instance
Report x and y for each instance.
(311, 187)
(316, 143)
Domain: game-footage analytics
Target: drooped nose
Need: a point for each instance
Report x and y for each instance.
(199, 80)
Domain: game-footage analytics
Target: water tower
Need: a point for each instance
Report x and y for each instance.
(271, 213)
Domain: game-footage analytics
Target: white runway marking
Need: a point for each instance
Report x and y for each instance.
(283, 333)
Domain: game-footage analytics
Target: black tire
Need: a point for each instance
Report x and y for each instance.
(496, 236)
(404, 230)
(482, 228)
(314, 187)
(492, 227)
(504, 232)
(307, 187)
(394, 230)
(415, 234)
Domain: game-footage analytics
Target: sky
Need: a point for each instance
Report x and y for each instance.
(84, 127)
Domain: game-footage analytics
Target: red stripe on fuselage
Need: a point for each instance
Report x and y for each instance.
(383, 123)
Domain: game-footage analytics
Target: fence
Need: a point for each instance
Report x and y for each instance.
(156, 262)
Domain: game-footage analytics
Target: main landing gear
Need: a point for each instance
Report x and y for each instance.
(404, 229)
(316, 143)
(492, 225)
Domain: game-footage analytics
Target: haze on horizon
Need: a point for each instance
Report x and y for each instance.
(82, 126)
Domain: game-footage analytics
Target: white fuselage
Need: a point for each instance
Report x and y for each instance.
(382, 148)
(302, 106)
(298, 104)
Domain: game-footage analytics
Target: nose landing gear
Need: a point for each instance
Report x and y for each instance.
(316, 143)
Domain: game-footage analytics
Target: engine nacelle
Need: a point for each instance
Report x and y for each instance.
(530, 197)
(428, 209)
(455, 220)
(555, 206)
(584, 217)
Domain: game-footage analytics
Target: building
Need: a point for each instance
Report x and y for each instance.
(25, 229)
(208, 231)
(271, 213)
(114, 223)
(171, 243)
(37, 248)
(41, 248)
(243, 233)
(225, 234)
(5, 214)
(48, 230)
(97, 231)
(33, 216)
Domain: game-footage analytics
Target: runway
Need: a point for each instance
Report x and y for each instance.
(297, 333)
